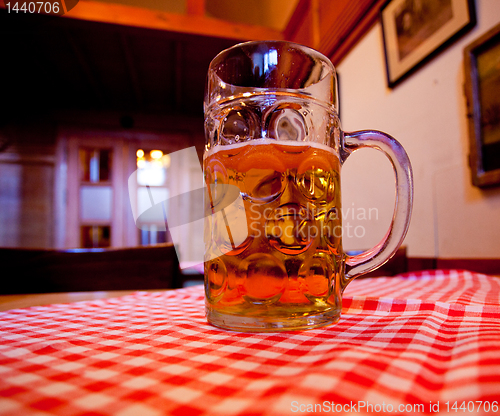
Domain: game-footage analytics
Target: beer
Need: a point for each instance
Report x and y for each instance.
(289, 265)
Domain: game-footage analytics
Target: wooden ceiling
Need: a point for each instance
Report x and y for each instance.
(128, 60)
(68, 64)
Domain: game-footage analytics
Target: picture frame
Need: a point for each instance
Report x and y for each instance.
(482, 83)
(414, 31)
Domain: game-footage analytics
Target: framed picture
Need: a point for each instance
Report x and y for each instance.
(482, 86)
(416, 30)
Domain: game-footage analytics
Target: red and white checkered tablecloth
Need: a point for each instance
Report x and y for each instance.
(418, 342)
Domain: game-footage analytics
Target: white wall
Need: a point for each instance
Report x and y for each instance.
(426, 113)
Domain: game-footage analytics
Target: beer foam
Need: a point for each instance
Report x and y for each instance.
(257, 142)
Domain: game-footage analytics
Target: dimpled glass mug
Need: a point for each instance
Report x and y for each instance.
(275, 262)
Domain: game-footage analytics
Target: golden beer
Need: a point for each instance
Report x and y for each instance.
(289, 264)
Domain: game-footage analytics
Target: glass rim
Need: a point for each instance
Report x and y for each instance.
(216, 82)
(304, 48)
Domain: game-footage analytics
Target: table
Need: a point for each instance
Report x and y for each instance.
(425, 342)
(25, 300)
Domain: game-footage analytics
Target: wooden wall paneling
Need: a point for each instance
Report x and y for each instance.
(299, 28)
(132, 70)
(179, 74)
(315, 24)
(26, 202)
(26, 182)
(339, 25)
(10, 202)
(87, 69)
(120, 191)
(487, 266)
(343, 23)
(421, 263)
(72, 231)
(37, 198)
(131, 234)
(60, 192)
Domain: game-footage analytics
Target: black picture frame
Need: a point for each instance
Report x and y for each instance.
(414, 31)
(482, 86)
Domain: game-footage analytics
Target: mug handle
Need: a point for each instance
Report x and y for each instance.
(371, 259)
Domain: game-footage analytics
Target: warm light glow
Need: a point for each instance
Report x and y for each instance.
(140, 153)
(141, 163)
(166, 161)
(156, 154)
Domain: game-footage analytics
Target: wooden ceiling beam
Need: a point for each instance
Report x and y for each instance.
(194, 23)
(179, 75)
(347, 24)
(132, 71)
(332, 27)
(195, 7)
(85, 66)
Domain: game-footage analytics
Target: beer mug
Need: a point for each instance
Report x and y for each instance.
(274, 261)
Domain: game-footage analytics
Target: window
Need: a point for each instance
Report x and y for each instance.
(152, 186)
(96, 197)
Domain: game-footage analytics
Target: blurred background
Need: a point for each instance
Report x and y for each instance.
(116, 85)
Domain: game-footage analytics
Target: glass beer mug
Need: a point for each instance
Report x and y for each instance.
(274, 148)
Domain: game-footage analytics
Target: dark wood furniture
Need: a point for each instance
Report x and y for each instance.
(76, 270)
(397, 264)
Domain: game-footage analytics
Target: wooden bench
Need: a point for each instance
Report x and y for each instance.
(75, 270)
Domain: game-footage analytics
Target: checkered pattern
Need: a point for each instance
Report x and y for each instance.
(414, 339)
